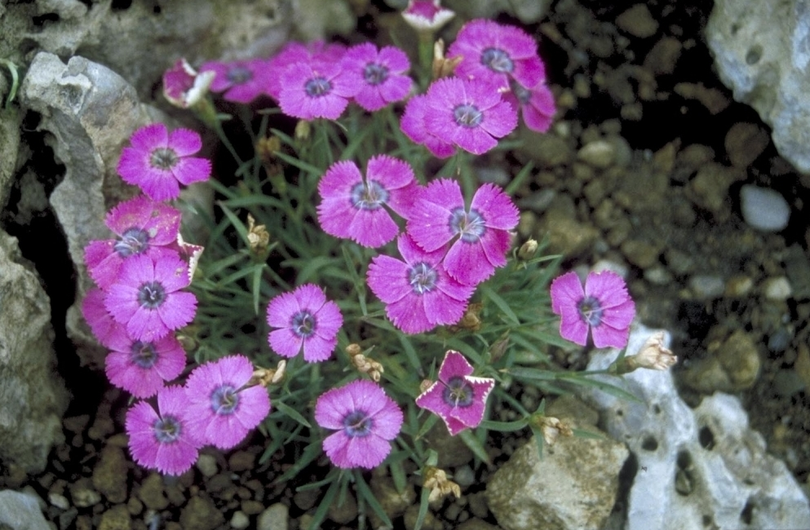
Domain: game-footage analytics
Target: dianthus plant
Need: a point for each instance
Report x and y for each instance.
(359, 282)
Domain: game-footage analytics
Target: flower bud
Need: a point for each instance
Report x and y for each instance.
(552, 428)
(652, 355)
(427, 16)
(439, 485)
(302, 130)
(443, 67)
(258, 236)
(527, 250)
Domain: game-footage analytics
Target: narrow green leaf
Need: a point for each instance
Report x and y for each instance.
(487, 291)
(513, 186)
(364, 491)
(475, 446)
(424, 500)
(310, 453)
(291, 412)
(323, 507)
(504, 426)
(579, 378)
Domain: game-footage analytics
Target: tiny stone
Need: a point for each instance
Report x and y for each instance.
(239, 520)
(82, 493)
(637, 21)
(134, 505)
(657, 275)
(207, 465)
(241, 461)
(707, 287)
(744, 143)
(275, 517)
(464, 476)
(764, 209)
(777, 289)
(600, 154)
(738, 286)
(116, 518)
(60, 501)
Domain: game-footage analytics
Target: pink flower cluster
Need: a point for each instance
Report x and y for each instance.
(499, 73)
(140, 301)
(446, 251)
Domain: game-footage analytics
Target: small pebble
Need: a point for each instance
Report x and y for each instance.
(275, 517)
(707, 287)
(239, 520)
(599, 154)
(207, 465)
(464, 476)
(764, 209)
(60, 501)
(777, 289)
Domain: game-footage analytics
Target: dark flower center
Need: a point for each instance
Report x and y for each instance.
(422, 278)
(469, 225)
(375, 74)
(224, 400)
(591, 310)
(164, 158)
(458, 392)
(357, 424)
(151, 295)
(497, 60)
(304, 324)
(133, 241)
(468, 116)
(167, 429)
(143, 354)
(239, 74)
(317, 87)
(369, 196)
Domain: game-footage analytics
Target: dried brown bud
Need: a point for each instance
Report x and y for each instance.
(652, 355)
(267, 376)
(471, 320)
(443, 67)
(353, 349)
(267, 148)
(439, 485)
(365, 365)
(258, 236)
(552, 428)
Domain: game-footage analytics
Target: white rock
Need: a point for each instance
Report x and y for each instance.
(764, 208)
(777, 289)
(275, 517)
(761, 52)
(207, 465)
(694, 466)
(239, 520)
(20, 511)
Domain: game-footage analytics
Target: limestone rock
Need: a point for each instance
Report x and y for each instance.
(10, 121)
(91, 112)
(32, 395)
(696, 469)
(764, 209)
(20, 511)
(573, 486)
(761, 52)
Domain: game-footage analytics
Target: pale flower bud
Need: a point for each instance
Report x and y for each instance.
(443, 67)
(183, 87)
(365, 364)
(427, 15)
(653, 355)
(527, 250)
(552, 428)
(258, 236)
(424, 385)
(266, 376)
(440, 486)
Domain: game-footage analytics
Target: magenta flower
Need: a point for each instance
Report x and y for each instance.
(147, 297)
(469, 113)
(101, 322)
(366, 420)
(604, 306)
(353, 208)
(141, 367)
(418, 293)
(378, 76)
(183, 87)
(307, 320)
(439, 215)
(413, 125)
(157, 161)
(241, 81)
(142, 226)
(220, 410)
(161, 440)
(457, 397)
(427, 15)
(315, 89)
(536, 105)
(495, 53)
(298, 52)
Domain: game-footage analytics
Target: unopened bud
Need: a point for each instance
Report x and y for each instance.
(470, 321)
(353, 349)
(527, 250)
(302, 130)
(424, 385)
(498, 348)
(652, 355)
(443, 67)
(552, 428)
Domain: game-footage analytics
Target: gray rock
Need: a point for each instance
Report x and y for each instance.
(32, 395)
(761, 52)
(694, 466)
(764, 209)
(10, 121)
(91, 112)
(573, 486)
(275, 517)
(21, 511)
(527, 11)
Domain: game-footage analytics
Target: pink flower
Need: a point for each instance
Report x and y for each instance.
(536, 105)
(220, 410)
(315, 89)
(495, 53)
(378, 77)
(413, 125)
(147, 297)
(142, 226)
(353, 208)
(457, 397)
(306, 320)
(141, 367)
(161, 440)
(604, 306)
(299, 52)
(101, 322)
(242, 81)
(439, 215)
(469, 113)
(157, 161)
(183, 87)
(418, 293)
(366, 420)
(427, 15)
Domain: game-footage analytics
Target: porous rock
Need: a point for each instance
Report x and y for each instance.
(761, 52)
(696, 469)
(32, 395)
(20, 510)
